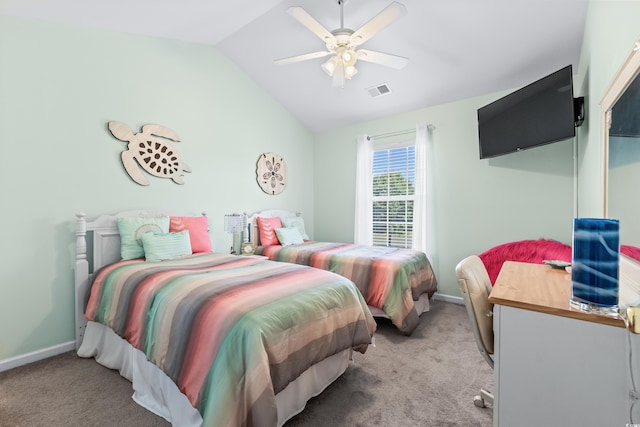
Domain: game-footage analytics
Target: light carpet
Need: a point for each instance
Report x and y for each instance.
(427, 379)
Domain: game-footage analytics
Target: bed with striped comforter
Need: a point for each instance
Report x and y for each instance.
(390, 279)
(230, 331)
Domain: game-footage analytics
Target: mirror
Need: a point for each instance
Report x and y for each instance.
(621, 135)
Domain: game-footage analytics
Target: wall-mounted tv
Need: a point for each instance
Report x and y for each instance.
(538, 114)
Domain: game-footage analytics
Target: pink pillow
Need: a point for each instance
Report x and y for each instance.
(198, 227)
(267, 228)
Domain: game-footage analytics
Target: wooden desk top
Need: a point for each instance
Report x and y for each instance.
(538, 287)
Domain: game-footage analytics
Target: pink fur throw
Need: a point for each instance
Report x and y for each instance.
(533, 251)
(632, 252)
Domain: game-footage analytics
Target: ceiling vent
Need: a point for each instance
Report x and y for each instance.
(378, 90)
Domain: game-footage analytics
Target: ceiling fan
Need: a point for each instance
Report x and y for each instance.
(343, 42)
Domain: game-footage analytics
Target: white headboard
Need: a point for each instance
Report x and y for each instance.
(271, 213)
(97, 245)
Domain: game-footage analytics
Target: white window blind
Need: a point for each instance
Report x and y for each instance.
(394, 173)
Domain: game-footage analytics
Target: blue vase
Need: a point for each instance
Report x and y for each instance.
(595, 265)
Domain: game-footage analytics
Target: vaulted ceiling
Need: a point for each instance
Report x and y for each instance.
(456, 48)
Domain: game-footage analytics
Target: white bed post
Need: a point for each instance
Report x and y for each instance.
(82, 276)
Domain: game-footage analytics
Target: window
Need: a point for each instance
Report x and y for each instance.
(394, 172)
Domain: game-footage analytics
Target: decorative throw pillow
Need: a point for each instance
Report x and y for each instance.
(267, 227)
(198, 227)
(297, 222)
(163, 246)
(289, 236)
(132, 227)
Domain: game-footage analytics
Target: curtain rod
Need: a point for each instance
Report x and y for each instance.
(400, 132)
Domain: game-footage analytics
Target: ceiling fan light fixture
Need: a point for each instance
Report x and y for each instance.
(342, 43)
(350, 71)
(349, 57)
(330, 66)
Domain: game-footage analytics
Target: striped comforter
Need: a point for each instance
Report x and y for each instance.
(231, 331)
(390, 279)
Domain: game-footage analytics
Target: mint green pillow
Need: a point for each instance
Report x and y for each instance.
(132, 227)
(289, 236)
(160, 247)
(297, 222)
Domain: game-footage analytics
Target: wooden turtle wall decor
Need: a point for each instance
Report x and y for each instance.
(151, 151)
(271, 173)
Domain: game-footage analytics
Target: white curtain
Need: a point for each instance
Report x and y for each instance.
(422, 217)
(363, 233)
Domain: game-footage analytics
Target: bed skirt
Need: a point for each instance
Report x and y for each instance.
(155, 391)
(422, 305)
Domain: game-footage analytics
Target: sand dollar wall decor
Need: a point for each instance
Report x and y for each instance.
(151, 151)
(271, 173)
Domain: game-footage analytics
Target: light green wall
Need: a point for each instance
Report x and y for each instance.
(610, 33)
(59, 87)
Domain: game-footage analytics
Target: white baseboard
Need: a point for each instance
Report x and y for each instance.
(448, 298)
(34, 356)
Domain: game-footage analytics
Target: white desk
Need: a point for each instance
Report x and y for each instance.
(555, 366)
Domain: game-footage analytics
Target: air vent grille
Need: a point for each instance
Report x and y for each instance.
(379, 90)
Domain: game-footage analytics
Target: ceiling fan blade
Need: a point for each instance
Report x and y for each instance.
(299, 58)
(309, 21)
(386, 59)
(392, 12)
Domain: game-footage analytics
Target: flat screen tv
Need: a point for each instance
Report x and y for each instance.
(538, 114)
